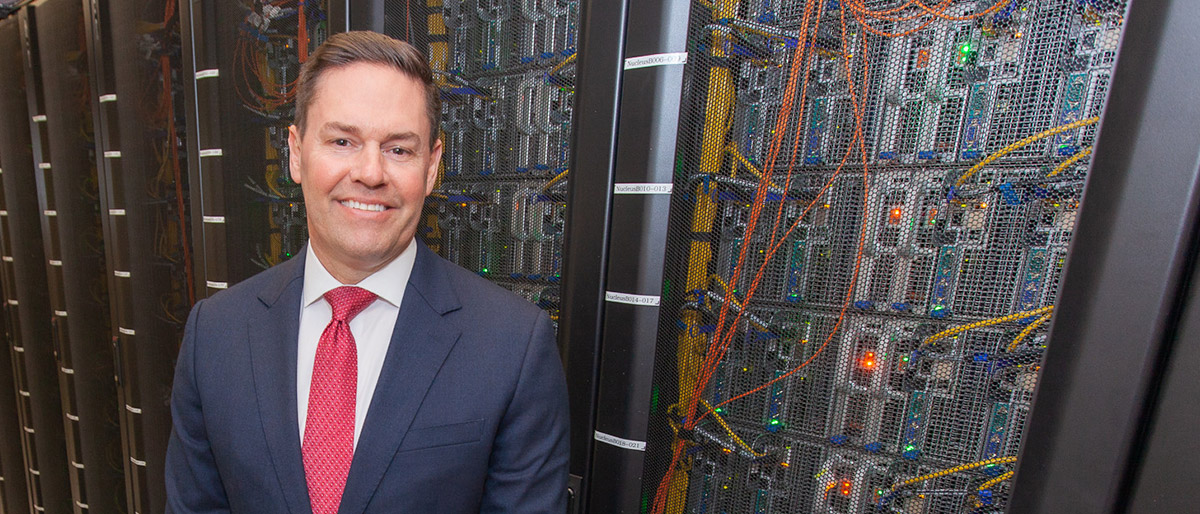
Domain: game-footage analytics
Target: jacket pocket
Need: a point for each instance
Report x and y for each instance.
(442, 435)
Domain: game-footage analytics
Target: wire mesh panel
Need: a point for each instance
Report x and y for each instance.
(873, 210)
(507, 73)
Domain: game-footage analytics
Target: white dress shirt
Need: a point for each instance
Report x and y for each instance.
(372, 328)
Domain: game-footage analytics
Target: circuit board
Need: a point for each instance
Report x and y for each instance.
(879, 199)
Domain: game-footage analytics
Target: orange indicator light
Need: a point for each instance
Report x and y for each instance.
(868, 360)
(845, 488)
(895, 215)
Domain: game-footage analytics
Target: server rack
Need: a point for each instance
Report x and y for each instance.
(506, 70)
(13, 494)
(240, 62)
(889, 343)
(35, 373)
(57, 65)
(136, 98)
(885, 221)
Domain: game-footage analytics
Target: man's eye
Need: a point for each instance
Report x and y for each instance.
(399, 151)
(341, 142)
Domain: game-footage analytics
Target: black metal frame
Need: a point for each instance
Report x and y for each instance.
(1125, 290)
(22, 242)
(52, 478)
(626, 335)
(589, 209)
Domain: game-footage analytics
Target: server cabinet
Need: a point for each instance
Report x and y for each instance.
(241, 60)
(13, 494)
(57, 64)
(506, 70)
(871, 208)
(137, 105)
(34, 368)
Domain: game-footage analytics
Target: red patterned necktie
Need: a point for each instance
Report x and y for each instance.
(329, 429)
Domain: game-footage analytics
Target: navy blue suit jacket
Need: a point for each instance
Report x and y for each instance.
(469, 415)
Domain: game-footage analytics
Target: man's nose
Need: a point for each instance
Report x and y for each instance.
(369, 168)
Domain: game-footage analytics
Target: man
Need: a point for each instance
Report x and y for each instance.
(421, 388)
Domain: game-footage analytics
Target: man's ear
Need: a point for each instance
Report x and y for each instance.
(435, 159)
(294, 153)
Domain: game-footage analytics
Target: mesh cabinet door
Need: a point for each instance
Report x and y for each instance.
(880, 198)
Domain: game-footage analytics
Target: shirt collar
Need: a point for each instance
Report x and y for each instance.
(388, 283)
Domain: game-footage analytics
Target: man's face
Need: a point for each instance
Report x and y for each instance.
(365, 165)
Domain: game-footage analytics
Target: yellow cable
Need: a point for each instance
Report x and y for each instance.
(729, 430)
(560, 65)
(1036, 137)
(987, 322)
(955, 469)
(994, 481)
(557, 178)
(1028, 330)
(732, 148)
(1067, 163)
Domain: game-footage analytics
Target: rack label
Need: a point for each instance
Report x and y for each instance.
(108, 98)
(116, 212)
(214, 219)
(207, 74)
(647, 61)
(41, 118)
(44, 165)
(50, 213)
(643, 188)
(632, 299)
(211, 152)
(55, 262)
(61, 314)
(216, 285)
(121, 274)
(112, 154)
(7, 258)
(126, 331)
(619, 442)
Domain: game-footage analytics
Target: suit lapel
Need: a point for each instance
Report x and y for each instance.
(273, 333)
(421, 340)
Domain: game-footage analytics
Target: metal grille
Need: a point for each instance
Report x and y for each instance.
(507, 72)
(891, 187)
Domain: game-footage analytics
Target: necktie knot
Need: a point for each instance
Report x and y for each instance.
(348, 301)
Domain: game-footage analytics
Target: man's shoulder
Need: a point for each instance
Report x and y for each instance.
(480, 296)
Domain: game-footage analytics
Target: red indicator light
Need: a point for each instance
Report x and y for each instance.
(845, 488)
(895, 215)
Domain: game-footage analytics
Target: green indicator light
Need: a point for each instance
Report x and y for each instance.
(909, 447)
(485, 270)
(774, 422)
(905, 359)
